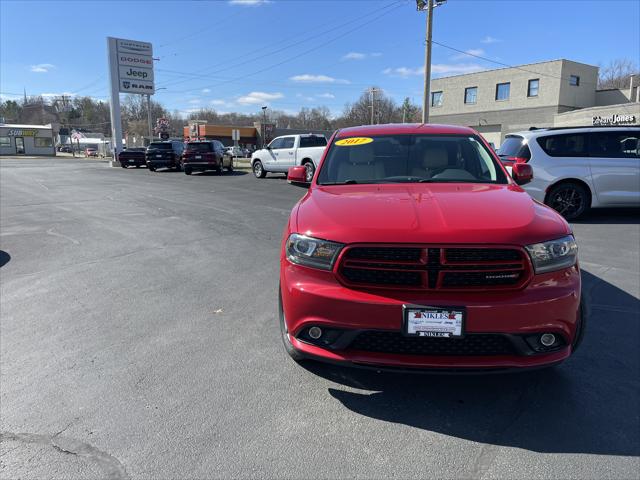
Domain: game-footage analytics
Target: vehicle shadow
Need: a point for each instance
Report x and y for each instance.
(586, 405)
(212, 173)
(611, 216)
(4, 258)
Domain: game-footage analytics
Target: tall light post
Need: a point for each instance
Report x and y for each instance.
(430, 5)
(264, 121)
(149, 114)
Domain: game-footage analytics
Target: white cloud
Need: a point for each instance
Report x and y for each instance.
(354, 56)
(218, 102)
(255, 98)
(490, 39)
(360, 55)
(436, 68)
(250, 3)
(42, 67)
(467, 53)
(308, 78)
(53, 95)
(194, 101)
(206, 90)
(327, 95)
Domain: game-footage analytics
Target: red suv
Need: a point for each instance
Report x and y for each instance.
(413, 248)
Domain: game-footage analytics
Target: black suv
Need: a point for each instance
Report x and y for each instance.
(164, 155)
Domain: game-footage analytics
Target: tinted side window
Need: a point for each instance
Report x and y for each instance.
(276, 143)
(615, 144)
(306, 142)
(567, 145)
(288, 142)
(514, 146)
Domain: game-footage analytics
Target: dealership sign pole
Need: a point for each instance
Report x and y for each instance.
(130, 71)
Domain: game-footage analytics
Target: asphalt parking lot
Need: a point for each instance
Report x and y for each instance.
(139, 339)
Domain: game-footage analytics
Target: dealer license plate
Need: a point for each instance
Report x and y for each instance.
(444, 322)
(130, 161)
(158, 156)
(198, 157)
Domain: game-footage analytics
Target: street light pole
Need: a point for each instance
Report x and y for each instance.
(264, 121)
(427, 64)
(149, 118)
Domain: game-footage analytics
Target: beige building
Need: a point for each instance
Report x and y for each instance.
(26, 140)
(497, 102)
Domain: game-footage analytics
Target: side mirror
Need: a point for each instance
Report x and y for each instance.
(297, 176)
(522, 173)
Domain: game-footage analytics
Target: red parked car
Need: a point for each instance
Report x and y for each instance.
(413, 248)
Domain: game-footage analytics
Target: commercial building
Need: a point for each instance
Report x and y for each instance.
(546, 94)
(26, 140)
(251, 137)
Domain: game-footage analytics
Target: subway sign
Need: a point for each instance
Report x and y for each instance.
(22, 132)
(614, 119)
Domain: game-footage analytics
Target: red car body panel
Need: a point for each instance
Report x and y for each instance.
(427, 214)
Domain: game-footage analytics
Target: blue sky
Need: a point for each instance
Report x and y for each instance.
(241, 54)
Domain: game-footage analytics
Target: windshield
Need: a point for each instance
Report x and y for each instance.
(199, 147)
(409, 159)
(161, 146)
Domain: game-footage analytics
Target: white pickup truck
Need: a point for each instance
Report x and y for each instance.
(289, 151)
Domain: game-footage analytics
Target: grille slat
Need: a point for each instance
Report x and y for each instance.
(433, 267)
(469, 345)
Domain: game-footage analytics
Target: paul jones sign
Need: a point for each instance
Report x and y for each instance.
(615, 119)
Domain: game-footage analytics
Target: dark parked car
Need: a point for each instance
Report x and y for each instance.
(208, 155)
(132, 157)
(164, 155)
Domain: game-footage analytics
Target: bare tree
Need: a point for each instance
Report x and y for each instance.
(617, 73)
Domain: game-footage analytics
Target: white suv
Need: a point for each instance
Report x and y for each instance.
(575, 169)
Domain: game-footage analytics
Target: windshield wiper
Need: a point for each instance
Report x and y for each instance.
(449, 180)
(346, 182)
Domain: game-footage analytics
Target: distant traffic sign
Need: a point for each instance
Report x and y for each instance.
(164, 135)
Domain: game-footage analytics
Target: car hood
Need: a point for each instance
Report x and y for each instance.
(427, 213)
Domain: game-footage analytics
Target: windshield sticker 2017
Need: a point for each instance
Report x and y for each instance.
(353, 141)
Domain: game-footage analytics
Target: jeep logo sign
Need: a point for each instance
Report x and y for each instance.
(134, 73)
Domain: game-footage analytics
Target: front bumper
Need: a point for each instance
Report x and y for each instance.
(549, 303)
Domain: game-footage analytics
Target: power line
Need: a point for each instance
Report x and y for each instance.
(295, 56)
(260, 55)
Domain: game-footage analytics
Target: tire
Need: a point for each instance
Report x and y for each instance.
(123, 165)
(570, 199)
(152, 169)
(178, 167)
(230, 167)
(187, 170)
(292, 352)
(258, 169)
(310, 170)
(137, 166)
(220, 167)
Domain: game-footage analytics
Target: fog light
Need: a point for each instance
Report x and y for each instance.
(316, 332)
(547, 339)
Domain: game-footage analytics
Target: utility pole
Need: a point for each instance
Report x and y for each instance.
(427, 64)
(264, 127)
(372, 94)
(149, 118)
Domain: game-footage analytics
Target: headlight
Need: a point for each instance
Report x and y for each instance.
(312, 252)
(553, 255)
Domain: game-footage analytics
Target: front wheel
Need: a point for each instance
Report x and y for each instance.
(187, 170)
(258, 169)
(152, 169)
(570, 199)
(310, 169)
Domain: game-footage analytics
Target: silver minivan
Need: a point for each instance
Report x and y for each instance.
(575, 169)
